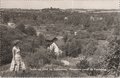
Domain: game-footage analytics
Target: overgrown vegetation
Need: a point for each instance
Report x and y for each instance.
(94, 39)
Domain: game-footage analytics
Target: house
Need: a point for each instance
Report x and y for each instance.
(11, 24)
(65, 18)
(96, 18)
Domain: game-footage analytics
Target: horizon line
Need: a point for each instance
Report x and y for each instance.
(63, 8)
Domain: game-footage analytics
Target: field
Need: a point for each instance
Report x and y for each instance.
(89, 40)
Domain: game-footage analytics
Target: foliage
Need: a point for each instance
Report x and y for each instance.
(38, 58)
(83, 34)
(21, 27)
(30, 31)
(83, 64)
(112, 60)
(30, 43)
(8, 35)
(73, 48)
(86, 41)
(65, 38)
(5, 18)
(99, 35)
(90, 48)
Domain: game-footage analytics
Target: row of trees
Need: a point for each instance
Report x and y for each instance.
(52, 16)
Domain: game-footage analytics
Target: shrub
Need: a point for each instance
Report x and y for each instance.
(38, 59)
(96, 61)
(99, 35)
(90, 48)
(83, 64)
(65, 38)
(30, 31)
(6, 18)
(29, 44)
(83, 34)
(21, 27)
(6, 52)
(112, 60)
(13, 34)
(8, 35)
(41, 40)
(73, 48)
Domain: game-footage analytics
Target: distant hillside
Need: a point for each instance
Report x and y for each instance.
(94, 10)
(69, 10)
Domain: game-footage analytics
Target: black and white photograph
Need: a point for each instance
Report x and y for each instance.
(60, 38)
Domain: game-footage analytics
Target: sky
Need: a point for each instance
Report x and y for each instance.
(63, 4)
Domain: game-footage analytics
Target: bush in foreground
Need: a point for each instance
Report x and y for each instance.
(83, 64)
(38, 58)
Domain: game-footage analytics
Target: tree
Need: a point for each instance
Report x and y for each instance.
(21, 27)
(30, 31)
(5, 18)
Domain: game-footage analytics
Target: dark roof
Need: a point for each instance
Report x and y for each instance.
(50, 37)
